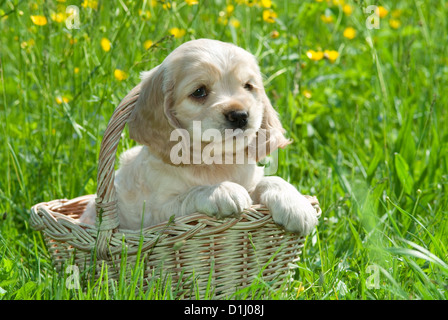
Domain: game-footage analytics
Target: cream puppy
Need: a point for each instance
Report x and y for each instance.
(204, 119)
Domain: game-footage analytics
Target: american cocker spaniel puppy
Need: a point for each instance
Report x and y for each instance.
(204, 121)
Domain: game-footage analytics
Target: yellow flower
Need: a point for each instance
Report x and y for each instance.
(147, 44)
(120, 75)
(90, 4)
(382, 12)
(307, 94)
(349, 33)
(192, 2)
(235, 23)
(177, 33)
(146, 15)
(315, 55)
(249, 3)
(275, 34)
(76, 70)
(230, 8)
(39, 20)
(326, 19)
(269, 16)
(58, 17)
(394, 23)
(338, 2)
(331, 55)
(60, 99)
(347, 9)
(105, 44)
(266, 3)
(166, 5)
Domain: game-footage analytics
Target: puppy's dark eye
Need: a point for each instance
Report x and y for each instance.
(199, 93)
(248, 86)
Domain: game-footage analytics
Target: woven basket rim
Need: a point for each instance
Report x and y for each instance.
(49, 207)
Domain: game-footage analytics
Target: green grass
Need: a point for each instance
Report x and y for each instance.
(371, 141)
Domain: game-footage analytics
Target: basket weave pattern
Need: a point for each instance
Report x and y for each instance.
(192, 248)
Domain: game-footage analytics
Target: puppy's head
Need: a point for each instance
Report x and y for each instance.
(213, 83)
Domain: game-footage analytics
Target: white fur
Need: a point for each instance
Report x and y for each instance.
(146, 183)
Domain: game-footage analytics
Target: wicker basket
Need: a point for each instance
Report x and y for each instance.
(194, 249)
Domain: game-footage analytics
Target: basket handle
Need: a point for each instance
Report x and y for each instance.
(106, 197)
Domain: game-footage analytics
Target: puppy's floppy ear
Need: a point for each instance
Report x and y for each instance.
(152, 121)
(271, 134)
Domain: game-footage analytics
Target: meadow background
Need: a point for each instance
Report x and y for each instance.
(367, 110)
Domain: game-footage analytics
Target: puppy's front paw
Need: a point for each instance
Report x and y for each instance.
(291, 210)
(223, 200)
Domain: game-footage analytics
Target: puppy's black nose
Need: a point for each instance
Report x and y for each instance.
(237, 118)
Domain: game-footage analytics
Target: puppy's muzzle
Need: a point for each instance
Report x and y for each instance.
(238, 119)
